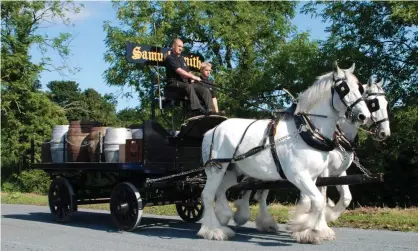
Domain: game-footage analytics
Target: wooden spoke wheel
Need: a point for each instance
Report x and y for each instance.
(61, 199)
(191, 210)
(126, 206)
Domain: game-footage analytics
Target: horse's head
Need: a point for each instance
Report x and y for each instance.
(346, 96)
(379, 108)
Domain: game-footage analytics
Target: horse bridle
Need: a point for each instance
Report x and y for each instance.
(374, 106)
(342, 90)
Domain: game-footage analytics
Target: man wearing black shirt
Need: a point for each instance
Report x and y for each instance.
(179, 76)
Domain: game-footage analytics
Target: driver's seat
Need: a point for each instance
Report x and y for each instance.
(175, 96)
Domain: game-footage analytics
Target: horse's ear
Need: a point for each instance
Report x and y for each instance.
(380, 82)
(370, 81)
(335, 67)
(351, 69)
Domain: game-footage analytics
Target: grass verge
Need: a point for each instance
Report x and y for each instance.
(395, 219)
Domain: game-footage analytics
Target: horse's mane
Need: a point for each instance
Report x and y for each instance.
(318, 91)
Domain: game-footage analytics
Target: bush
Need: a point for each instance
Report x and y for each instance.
(8, 187)
(30, 181)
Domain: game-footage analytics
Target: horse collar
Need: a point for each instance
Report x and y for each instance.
(312, 136)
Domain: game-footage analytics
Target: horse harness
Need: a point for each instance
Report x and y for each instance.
(307, 131)
(270, 133)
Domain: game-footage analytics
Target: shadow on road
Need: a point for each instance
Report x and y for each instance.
(164, 228)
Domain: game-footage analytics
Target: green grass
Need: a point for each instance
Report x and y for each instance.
(395, 219)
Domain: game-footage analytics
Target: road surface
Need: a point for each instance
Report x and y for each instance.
(31, 228)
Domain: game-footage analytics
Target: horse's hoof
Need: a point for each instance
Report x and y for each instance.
(311, 236)
(218, 234)
(329, 234)
(308, 236)
(266, 224)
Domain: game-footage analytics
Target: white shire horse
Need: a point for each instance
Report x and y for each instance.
(333, 93)
(339, 161)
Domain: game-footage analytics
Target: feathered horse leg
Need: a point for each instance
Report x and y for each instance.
(264, 221)
(222, 210)
(211, 229)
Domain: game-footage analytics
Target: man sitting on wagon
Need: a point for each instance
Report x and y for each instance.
(180, 78)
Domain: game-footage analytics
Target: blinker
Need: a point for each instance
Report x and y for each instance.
(373, 105)
(342, 89)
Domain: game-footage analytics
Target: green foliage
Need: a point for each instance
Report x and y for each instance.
(374, 35)
(83, 105)
(400, 151)
(36, 181)
(8, 187)
(25, 117)
(26, 113)
(99, 109)
(67, 95)
(21, 28)
(132, 116)
(406, 11)
(28, 181)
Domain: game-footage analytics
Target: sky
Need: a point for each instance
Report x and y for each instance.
(88, 48)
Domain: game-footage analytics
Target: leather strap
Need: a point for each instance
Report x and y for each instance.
(272, 132)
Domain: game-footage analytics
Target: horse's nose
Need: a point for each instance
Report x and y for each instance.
(382, 134)
(361, 117)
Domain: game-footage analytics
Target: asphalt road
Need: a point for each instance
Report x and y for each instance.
(31, 228)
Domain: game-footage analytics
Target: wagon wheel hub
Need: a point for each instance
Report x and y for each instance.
(123, 208)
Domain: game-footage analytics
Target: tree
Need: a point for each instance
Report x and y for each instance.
(407, 11)
(99, 109)
(68, 96)
(131, 116)
(83, 105)
(21, 24)
(26, 113)
(252, 46)
(378, 38)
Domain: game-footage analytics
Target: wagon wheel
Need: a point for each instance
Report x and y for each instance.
(191, 210)
(126, 206)
(61, 199)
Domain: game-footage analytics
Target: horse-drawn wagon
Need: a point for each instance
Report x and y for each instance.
(170, 168)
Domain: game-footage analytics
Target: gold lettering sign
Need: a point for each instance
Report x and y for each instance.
(152, 55)
(136, 53)
(147, 55)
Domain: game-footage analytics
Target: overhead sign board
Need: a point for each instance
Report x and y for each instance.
(153, 55)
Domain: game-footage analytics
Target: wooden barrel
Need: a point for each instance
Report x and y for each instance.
(77, 140)
(93, 140)
(59, 133)
(114, 138)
